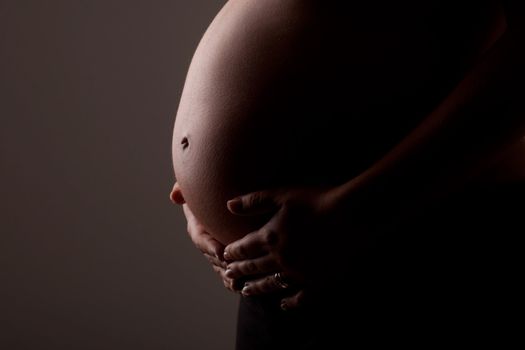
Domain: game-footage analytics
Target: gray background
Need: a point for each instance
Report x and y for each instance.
(92, 253)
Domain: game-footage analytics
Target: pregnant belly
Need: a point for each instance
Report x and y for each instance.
(243, 127)
(214, 163)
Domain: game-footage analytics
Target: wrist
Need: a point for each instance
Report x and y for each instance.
(339, 202)
(350, 194)
(366, 198)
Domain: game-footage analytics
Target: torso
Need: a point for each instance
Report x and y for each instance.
(378, 69)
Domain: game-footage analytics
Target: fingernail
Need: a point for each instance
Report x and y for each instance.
(234, 205)
(284, 305)
(246, 291)
(225, 255)
(229, 273)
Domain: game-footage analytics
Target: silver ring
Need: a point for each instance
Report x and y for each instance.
(280, 281)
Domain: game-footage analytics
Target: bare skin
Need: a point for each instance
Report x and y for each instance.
(499, 71)
(285, 242)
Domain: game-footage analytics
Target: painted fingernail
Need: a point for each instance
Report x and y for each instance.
(229, 273)
(246, 291)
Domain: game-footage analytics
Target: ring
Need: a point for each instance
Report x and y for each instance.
(280, 281)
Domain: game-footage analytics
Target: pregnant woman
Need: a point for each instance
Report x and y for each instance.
(326, 144)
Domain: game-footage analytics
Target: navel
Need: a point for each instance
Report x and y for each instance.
(185, 143)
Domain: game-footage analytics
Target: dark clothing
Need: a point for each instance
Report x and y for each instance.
(450, 277)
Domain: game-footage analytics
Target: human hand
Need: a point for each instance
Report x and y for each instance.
(308, 240)
(292, 297)
(210, 247)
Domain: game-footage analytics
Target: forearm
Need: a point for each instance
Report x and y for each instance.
(482, 115)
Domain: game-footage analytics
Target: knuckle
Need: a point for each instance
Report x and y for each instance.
(254, 199)
(241, 251)
(291, 304)
(251, 267)
(215, 263)
(270, 237)
(270, 281)
(298, 300)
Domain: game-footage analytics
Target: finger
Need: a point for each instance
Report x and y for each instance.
(202, 239)
(227, 281)
(216, 261)
(230, 284)
(266, 285)
(294, 302)
(255, 203)
(208, 245)
(261, 266)
(252, 245)
(219, 270)
(176, 194)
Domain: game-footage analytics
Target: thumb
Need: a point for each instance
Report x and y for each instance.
(255, 203)
(294, 302)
